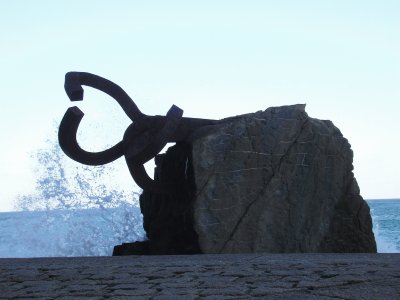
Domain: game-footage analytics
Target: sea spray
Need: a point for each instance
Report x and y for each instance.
(84, 232)
(74, 211)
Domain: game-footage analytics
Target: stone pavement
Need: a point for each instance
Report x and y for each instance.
(243, 276)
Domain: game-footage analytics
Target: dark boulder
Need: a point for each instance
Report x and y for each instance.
(273, 181)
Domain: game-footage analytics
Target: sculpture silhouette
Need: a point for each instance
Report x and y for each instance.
(143, 139)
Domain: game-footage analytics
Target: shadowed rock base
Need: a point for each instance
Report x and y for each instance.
(136, 248)
(241, 276)
(168, 219)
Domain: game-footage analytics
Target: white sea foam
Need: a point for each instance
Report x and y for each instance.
(89, 232)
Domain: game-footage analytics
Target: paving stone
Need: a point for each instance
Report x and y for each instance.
(271, 276)
(175, 297)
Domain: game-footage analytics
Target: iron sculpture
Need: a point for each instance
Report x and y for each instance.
(143, 139)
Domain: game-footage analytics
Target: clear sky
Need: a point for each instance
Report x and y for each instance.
(213, 59)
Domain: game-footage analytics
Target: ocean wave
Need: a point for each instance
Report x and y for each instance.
(386, 224)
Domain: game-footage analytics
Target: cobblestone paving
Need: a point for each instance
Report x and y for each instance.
(264, 276)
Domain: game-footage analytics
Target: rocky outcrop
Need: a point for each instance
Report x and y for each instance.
(274, 181)
(278, 181)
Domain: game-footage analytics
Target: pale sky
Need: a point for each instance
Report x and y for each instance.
(213, 59)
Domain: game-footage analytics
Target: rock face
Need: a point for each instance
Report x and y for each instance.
(274, 181)
(278, 181)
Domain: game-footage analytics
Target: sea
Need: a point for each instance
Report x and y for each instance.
(94, 232)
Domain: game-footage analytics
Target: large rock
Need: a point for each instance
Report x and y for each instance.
(273, 181)
(278, 181)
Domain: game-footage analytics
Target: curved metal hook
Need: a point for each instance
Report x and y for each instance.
(73, 116)
(73, 88)
(155, 141)
(139, 175)
(136, 156)
(68, 143)
(153, 132)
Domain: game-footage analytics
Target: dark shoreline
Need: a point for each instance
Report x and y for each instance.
(238, 276)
